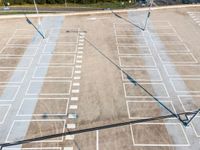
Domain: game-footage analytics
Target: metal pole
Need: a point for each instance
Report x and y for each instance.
(149, 13)
(39, 21)
(187, 123)
(86, 130)
(37, 11)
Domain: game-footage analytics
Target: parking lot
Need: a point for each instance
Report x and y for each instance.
(76, 78)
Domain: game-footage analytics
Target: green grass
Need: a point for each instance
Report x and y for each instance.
(114, 5)
(99, 5)
(15, 13)
(103, 5)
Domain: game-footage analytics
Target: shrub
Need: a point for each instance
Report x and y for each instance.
(50, 1)
(40, 1)
(19, 2)
(29, 1)
(60, 1)
(10, 1)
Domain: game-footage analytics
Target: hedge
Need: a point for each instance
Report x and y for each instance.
(20, 2)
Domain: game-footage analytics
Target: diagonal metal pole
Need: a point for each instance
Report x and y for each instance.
(29, 22)
(39, 20)
(148, 15)
(86, 130)
(136, 83)
(194, 115)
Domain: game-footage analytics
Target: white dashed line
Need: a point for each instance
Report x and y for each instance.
(82, 33)
(73, 107)
(81, 40)
(81, 37)
(72, 116)
(75, 91)
(77, 72)
(68, 148)
(80, 52)
(74, 98)
(69, 137)
(79, 56)
(79, 61)
(76, 84)
(78, 66)
(80, 47)
(71, 126)
(80, 44)
(77, 78)
(194, 17)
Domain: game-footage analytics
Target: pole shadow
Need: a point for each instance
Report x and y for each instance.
(30, 22)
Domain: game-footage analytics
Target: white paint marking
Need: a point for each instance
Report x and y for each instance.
(80, 44)
(77, 72)
(97, 140)
(73, 107)
(81, 37)
(71, 126)
(78, 66)
(80, 47)
(74, 98)
(77, 78)
(79, 56)
(68, 148)
(17, 123)
(76, 84)
(82, 33)
(180, 128)
(69, 137)
(79, 61)
(81, 40)
(72, 116)
(80, 52)
(4, 112)
(75, 91)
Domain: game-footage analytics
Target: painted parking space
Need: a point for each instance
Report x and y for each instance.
(73, 84)
(195, 17)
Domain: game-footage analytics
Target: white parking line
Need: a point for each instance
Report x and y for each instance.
(77, 72)
(72, 116)
(25, 111)
(76, 84)
(71, 126)
(78, 66)
(13, 134)
(19, 76)
(79, 56)
(97, 140)
(182, 137)
(73, 107)
(4, 109)
(79, 61)
(75, 91)
(77, 78)
(181, 58)
(74, 98)
(80, 48)
(69, 137)
(81, 40)
(68, 148)
(80, 44)
(33, 88)
(80, 52)
(192, 87)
